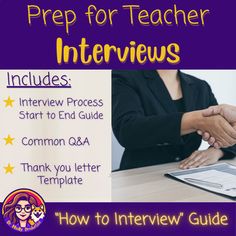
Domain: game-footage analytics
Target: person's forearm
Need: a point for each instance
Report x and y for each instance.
(189, 122)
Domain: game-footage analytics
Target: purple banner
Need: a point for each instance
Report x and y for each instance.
(198, 219)
(203, 30)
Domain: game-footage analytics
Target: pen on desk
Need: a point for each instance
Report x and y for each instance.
(205, 183)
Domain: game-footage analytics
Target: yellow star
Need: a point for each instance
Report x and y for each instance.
(9, 169)
(9, 140)
(9, 102)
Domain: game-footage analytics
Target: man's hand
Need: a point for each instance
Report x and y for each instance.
(226, 111)
(201, 158)
(219, 128)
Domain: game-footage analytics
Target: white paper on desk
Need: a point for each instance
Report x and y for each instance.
(223, 174)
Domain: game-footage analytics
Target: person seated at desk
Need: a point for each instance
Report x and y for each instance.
(156, 116)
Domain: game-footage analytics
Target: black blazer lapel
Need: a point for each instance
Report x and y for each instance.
(190, 92)
(159, 90)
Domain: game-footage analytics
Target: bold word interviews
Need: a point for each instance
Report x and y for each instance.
(135, 15)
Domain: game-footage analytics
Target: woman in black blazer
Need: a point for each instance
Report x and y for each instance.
(156, 115)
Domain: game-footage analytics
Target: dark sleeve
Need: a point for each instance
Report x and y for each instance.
(228, 152)
(132, 128)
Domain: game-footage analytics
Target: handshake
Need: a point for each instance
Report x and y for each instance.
(217, 126)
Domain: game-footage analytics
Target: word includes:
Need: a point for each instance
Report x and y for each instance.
(34, 80)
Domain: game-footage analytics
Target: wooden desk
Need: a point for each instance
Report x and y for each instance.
(148, 184)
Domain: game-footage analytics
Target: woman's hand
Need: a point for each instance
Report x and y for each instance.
(202, 158)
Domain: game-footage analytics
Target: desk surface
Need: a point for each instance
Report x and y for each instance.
(148, 184)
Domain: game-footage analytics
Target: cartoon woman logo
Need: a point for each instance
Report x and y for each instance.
(23, 210)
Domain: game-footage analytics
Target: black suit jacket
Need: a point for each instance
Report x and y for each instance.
(146, 122)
